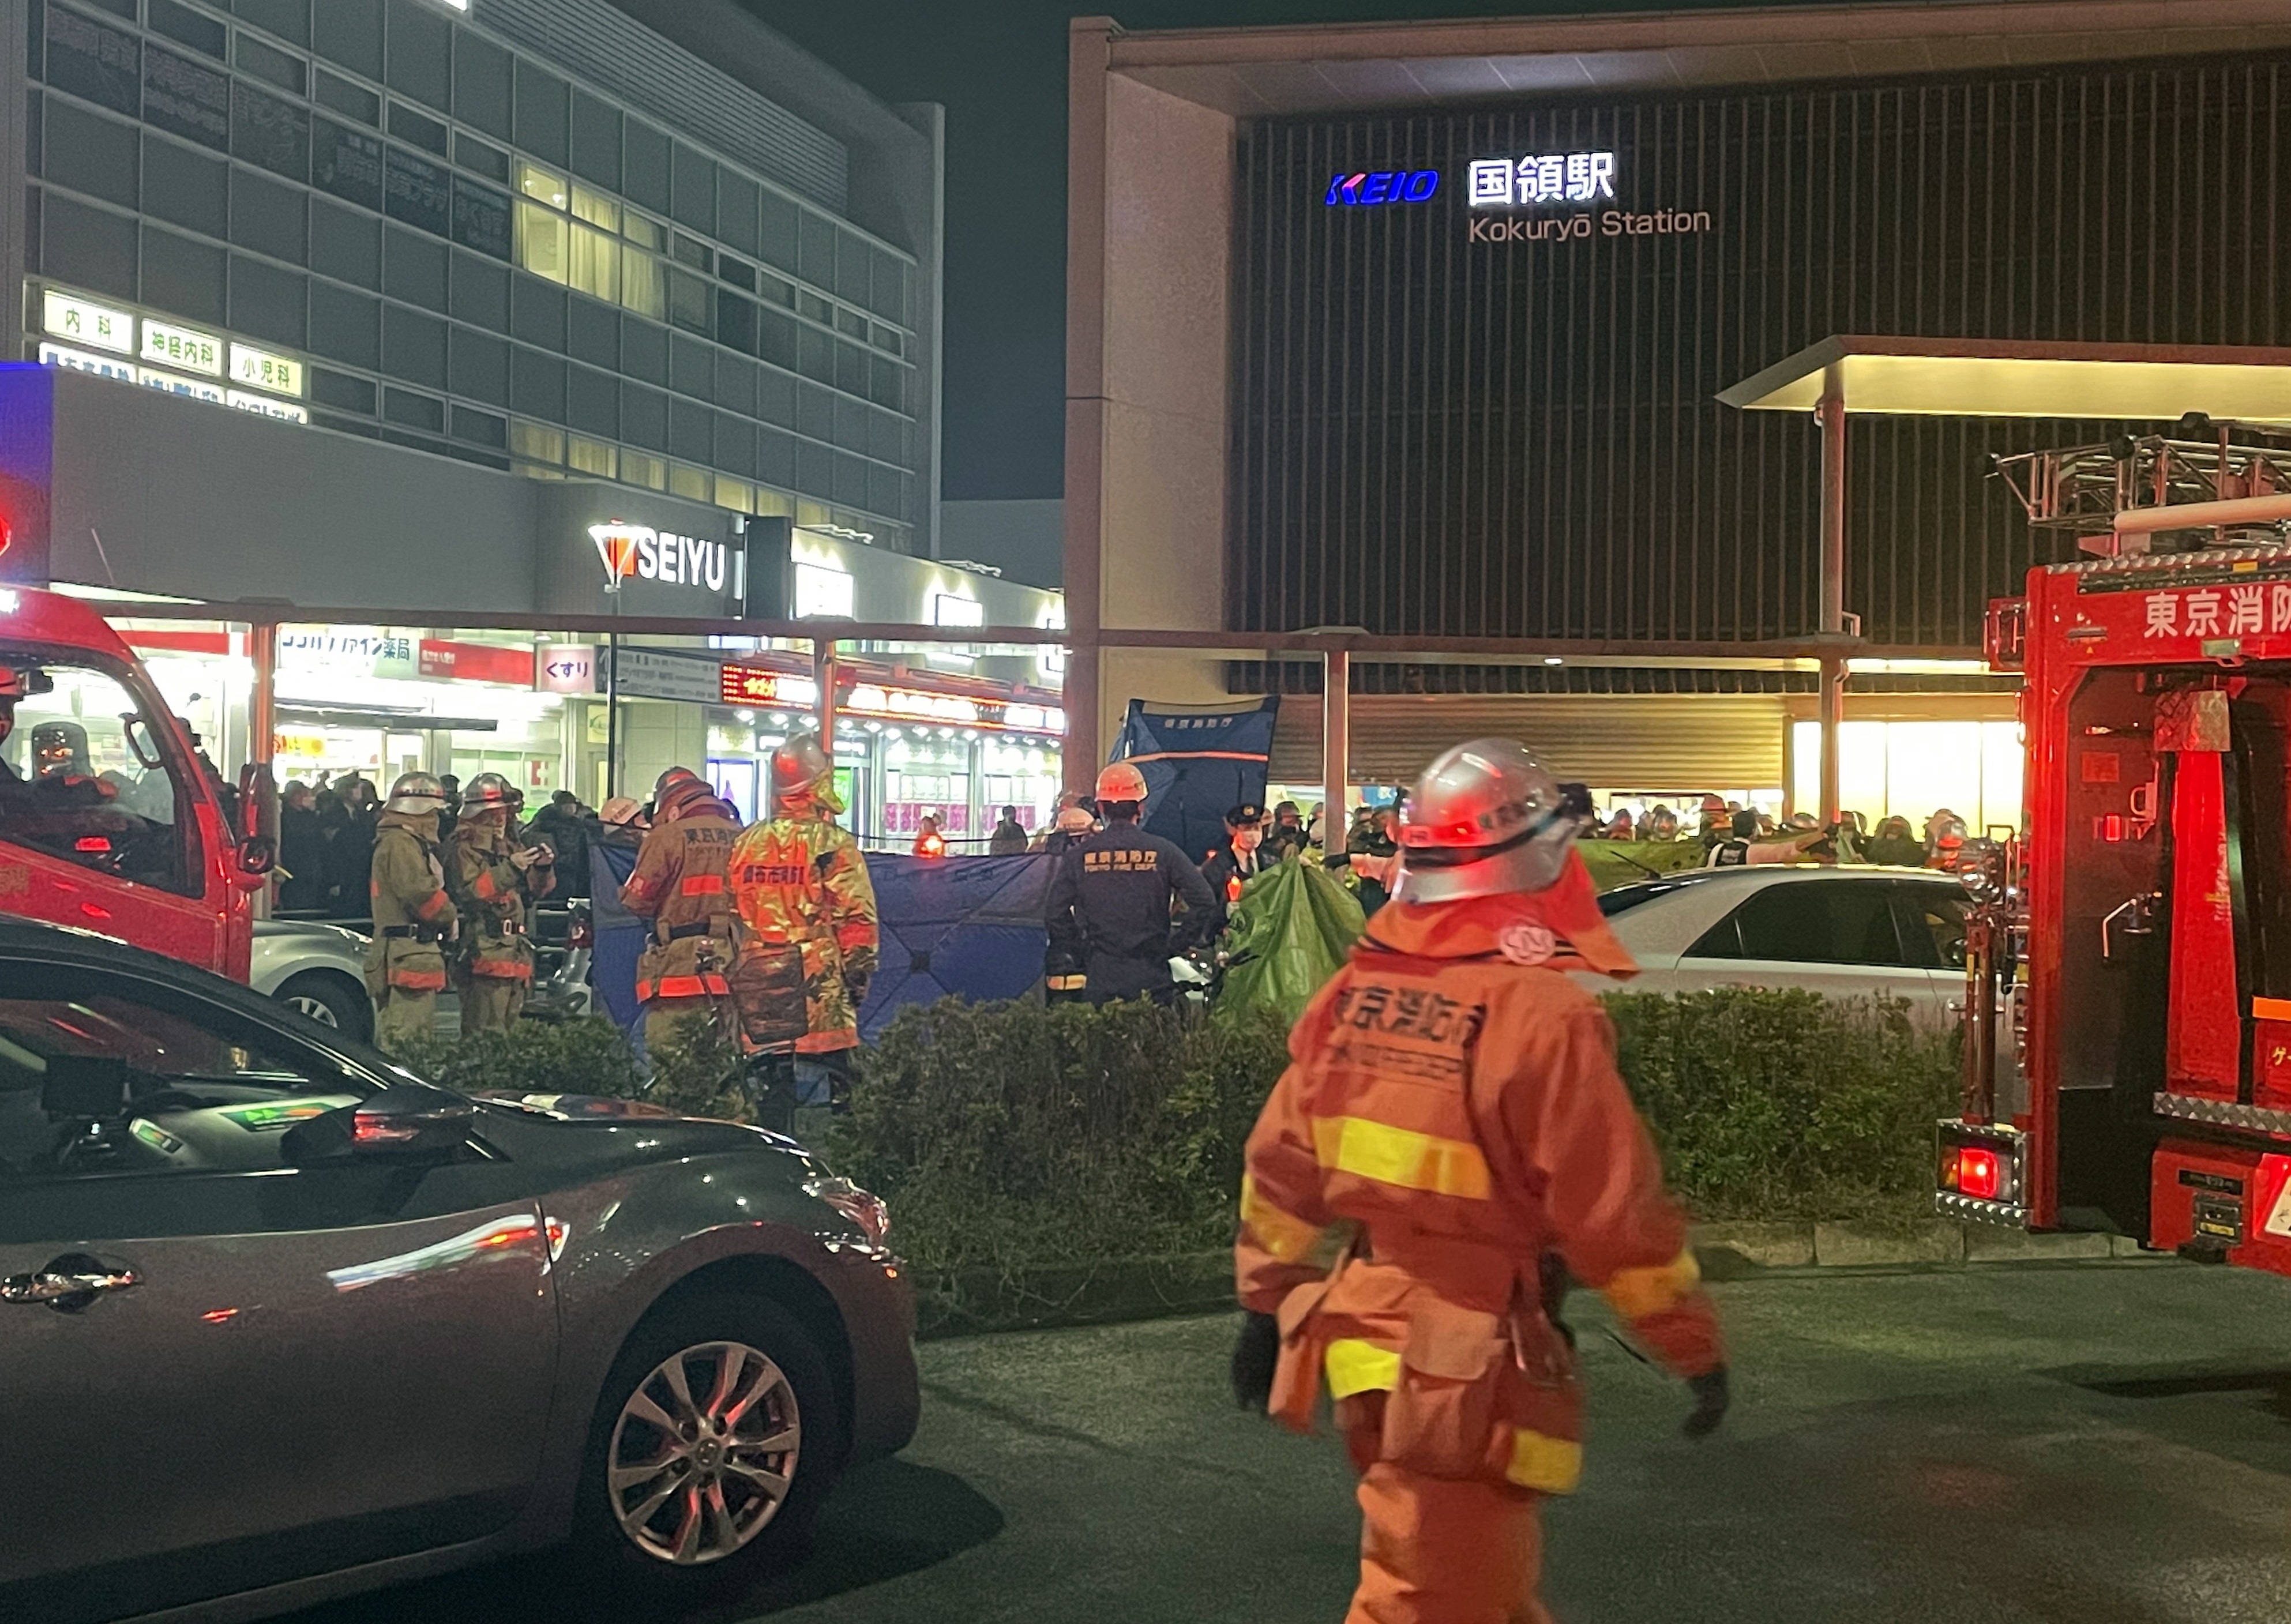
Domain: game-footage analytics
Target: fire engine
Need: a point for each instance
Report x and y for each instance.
(107, 819)
(2128, 1053)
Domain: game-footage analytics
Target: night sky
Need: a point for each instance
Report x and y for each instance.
(999, 67)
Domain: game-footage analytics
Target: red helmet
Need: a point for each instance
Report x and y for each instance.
(682, 798)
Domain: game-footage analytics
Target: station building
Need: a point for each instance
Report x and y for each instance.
(1424, 346)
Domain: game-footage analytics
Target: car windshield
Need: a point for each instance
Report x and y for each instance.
(85, 776)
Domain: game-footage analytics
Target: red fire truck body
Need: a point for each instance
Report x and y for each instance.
(2129, 1052)
(108, 822)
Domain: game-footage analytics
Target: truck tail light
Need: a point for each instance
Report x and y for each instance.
(1980, 1173)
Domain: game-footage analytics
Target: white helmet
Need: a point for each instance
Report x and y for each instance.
(416, 794)
(1486, 818)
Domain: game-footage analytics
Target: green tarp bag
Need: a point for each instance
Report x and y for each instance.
(1616, 863)
(1291, 930)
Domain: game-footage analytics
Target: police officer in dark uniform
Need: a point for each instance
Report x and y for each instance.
(1109, 907)
(1241, 857)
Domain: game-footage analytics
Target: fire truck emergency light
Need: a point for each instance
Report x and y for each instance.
(1980, 1173)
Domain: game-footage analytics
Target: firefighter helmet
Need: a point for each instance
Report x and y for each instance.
(1121, 782)
(799, 763)
(486, 791)
(682, 798)
(673, 776)
(1485, 818)
(14, 683)
(415, 794)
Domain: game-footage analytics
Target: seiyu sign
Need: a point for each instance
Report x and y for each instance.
(641, 552)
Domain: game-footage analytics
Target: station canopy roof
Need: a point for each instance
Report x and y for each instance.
(2005, 378)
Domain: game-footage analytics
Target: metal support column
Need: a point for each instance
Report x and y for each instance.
(1336, 747)
(823, 674)
(262, 741)
(1831, 414)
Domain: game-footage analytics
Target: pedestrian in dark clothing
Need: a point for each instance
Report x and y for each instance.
(1009, 838)
(302, 850)
(452, 787)
(1109, 906)
(1894, 842)
(350, 853)
(1373, 855)
(568, 827)
(1286, 834)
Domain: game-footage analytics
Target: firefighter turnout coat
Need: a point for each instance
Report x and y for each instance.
(406, 962)
(493, 894)
(682, 885)
(1452, 1118)
(808, 927)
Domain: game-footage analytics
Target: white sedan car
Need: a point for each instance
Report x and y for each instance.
(1842, 932)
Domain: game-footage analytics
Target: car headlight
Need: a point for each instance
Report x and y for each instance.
(865, 1210)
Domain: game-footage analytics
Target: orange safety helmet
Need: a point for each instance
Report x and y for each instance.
(1121, 782)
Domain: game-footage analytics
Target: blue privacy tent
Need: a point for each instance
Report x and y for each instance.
(1197, 763)
(969, 928)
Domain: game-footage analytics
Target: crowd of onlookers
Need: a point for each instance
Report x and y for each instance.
(1731, 833)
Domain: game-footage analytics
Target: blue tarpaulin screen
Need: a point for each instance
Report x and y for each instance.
(966, 926)
(1197, 764)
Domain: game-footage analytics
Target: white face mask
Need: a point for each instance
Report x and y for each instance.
(1247, 839)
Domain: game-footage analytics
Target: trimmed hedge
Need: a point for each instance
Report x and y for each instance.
(1010, 1136)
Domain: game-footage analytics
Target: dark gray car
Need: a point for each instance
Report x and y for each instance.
(279, 1321)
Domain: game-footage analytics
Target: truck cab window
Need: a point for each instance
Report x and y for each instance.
(87, 776)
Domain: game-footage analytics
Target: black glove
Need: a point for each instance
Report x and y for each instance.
(1254, 1358)
(1710, 1400)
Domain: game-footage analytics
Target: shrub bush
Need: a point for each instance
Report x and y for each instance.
(696, 1075)
(1783, 1104)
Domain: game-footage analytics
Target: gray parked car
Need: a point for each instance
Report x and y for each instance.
(319, 970)
(279, 1321)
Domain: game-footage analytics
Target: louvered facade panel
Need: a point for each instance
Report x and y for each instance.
(1434, 434)
(1613, 742)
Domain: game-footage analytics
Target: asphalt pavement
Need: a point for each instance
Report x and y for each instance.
(2097, 1445)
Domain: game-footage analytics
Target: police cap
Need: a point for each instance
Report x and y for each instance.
(1248, 814)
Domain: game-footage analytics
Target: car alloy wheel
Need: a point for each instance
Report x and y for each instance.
(704, 1453)
(317, 1008)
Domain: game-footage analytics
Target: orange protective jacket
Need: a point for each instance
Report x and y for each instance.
(1452, 1116)
(682, 883)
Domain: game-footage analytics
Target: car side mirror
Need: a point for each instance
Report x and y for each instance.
(397, 1123)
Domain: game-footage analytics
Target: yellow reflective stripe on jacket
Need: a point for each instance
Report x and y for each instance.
(1288, 1238)
(1637, 1293)
(1400, 1156)
(1552, 1465)
(1355, 1366)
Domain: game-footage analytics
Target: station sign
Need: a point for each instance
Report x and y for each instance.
(1367, 189)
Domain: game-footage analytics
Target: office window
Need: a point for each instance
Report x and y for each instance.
(536, 384)
(596, 264)
(541, 113)
(643, 283)
(481, 292)
(287, 19)
(482, 428)
(420, 52)
(182, 276)
(481, 218)
(776, 290)
(345, 244)
(415, 411)
(470, 153)
(850, 369)
(593, 457)
(270, 133)
(689, 483)
(266, 302)
(90, 59)
(414, 346)
(341, 390)
(186, 27)
(886, 339)
(596, 208)
(645, 166)
(691, 251)
(187, 99)
(815, 354)
(347, 163)
(645, 233)
(269, 218)
(269, 62)
(596, 140)
(351, 100)
(689, 303)
(592, 402)
(774, 505)
(414, 269)
(87, 245)
(90, 155)
(481, 82)
(419, 128)
(344, 325)
(543, 185)
(775, 339)
(850, 322)
(887, 383)
(417, 191)
(537, 442)
(637, 469)
(537, 313)
(736, 494)
(480, 366)
(349, 32)
(544, 245)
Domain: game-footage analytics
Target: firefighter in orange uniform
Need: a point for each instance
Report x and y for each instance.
(1451, 1141)
(682, 884)
(412, 916)
(494, 881)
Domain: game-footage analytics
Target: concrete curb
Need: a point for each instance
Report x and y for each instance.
(964, 1301)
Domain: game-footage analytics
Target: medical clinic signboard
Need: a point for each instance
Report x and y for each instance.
(1552, 197)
